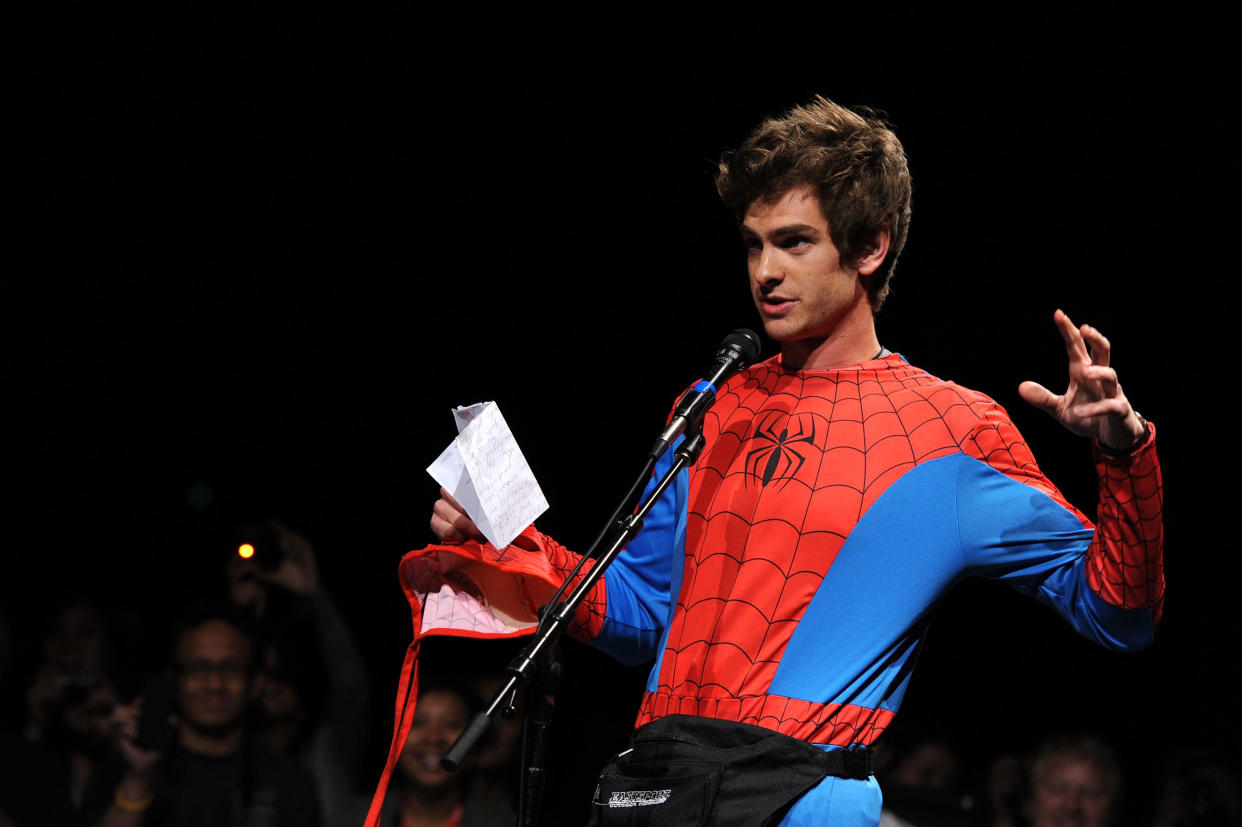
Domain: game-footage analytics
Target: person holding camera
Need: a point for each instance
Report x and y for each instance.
(204, 767)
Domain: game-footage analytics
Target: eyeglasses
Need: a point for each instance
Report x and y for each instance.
(202, 669)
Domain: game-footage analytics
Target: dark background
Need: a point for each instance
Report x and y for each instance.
(260, 254)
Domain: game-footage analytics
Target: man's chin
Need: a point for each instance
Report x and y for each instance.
(783, 329)
(776, 330)
(213, 728)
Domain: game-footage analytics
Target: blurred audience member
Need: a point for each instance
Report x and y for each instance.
(423, 793)
(314, 696)
(50, 770)
(1076, 781)
(213, 772)
(922, 786)
(1200, 789)
(1007, 791)
(76, 656)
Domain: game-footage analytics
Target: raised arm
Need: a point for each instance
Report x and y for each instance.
(1031, 543)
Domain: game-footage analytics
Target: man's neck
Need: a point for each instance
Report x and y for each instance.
(214, 744)
(852, 340)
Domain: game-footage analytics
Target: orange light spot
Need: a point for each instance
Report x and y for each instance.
(245, 551)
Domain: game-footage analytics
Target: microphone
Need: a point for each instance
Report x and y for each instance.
(736, 352)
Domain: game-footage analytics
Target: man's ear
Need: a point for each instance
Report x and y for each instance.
(874, 255)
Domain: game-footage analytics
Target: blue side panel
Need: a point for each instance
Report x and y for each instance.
(856, 641)
(1012, 531)
(638, 581)
(1110, 626)
(677, 569)
(947, 518)
(1019, 534)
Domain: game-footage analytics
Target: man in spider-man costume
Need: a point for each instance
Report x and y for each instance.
(785, 581)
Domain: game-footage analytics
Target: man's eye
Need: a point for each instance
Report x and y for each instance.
(794, 241)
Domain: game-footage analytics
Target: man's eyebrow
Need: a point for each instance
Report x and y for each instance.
(788, 229)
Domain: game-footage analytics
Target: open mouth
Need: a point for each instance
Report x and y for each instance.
(776, 305)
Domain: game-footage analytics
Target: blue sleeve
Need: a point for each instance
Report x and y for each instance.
(1017, 533)
(640, 582)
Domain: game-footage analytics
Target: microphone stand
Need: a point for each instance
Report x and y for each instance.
(538, 658)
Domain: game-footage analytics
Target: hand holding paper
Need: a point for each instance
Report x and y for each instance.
(485, 471)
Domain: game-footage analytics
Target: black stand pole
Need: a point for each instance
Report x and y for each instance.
(530, 663)
(541, 704)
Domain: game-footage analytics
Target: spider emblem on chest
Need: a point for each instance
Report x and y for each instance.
(779, 455)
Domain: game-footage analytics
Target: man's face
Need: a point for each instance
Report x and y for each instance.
(213, 677)
(1071, 792)
(800, 285)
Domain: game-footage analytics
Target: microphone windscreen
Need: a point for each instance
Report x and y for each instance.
(745, 342)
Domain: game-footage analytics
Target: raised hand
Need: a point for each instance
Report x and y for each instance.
(298, 571)
(140, 760)
(451, 524)
(1093, 404)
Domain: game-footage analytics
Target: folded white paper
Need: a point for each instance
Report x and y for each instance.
(485, 471)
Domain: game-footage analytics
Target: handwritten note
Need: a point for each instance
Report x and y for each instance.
(486, 472)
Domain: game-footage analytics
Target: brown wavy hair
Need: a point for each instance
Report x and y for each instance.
(851, 159)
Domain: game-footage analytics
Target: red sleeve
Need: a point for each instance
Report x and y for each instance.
(1125, 564)
(488, 592)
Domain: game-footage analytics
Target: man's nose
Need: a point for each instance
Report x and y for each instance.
(441, 738)
(768, 269)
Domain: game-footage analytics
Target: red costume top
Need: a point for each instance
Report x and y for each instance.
(786, 579)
